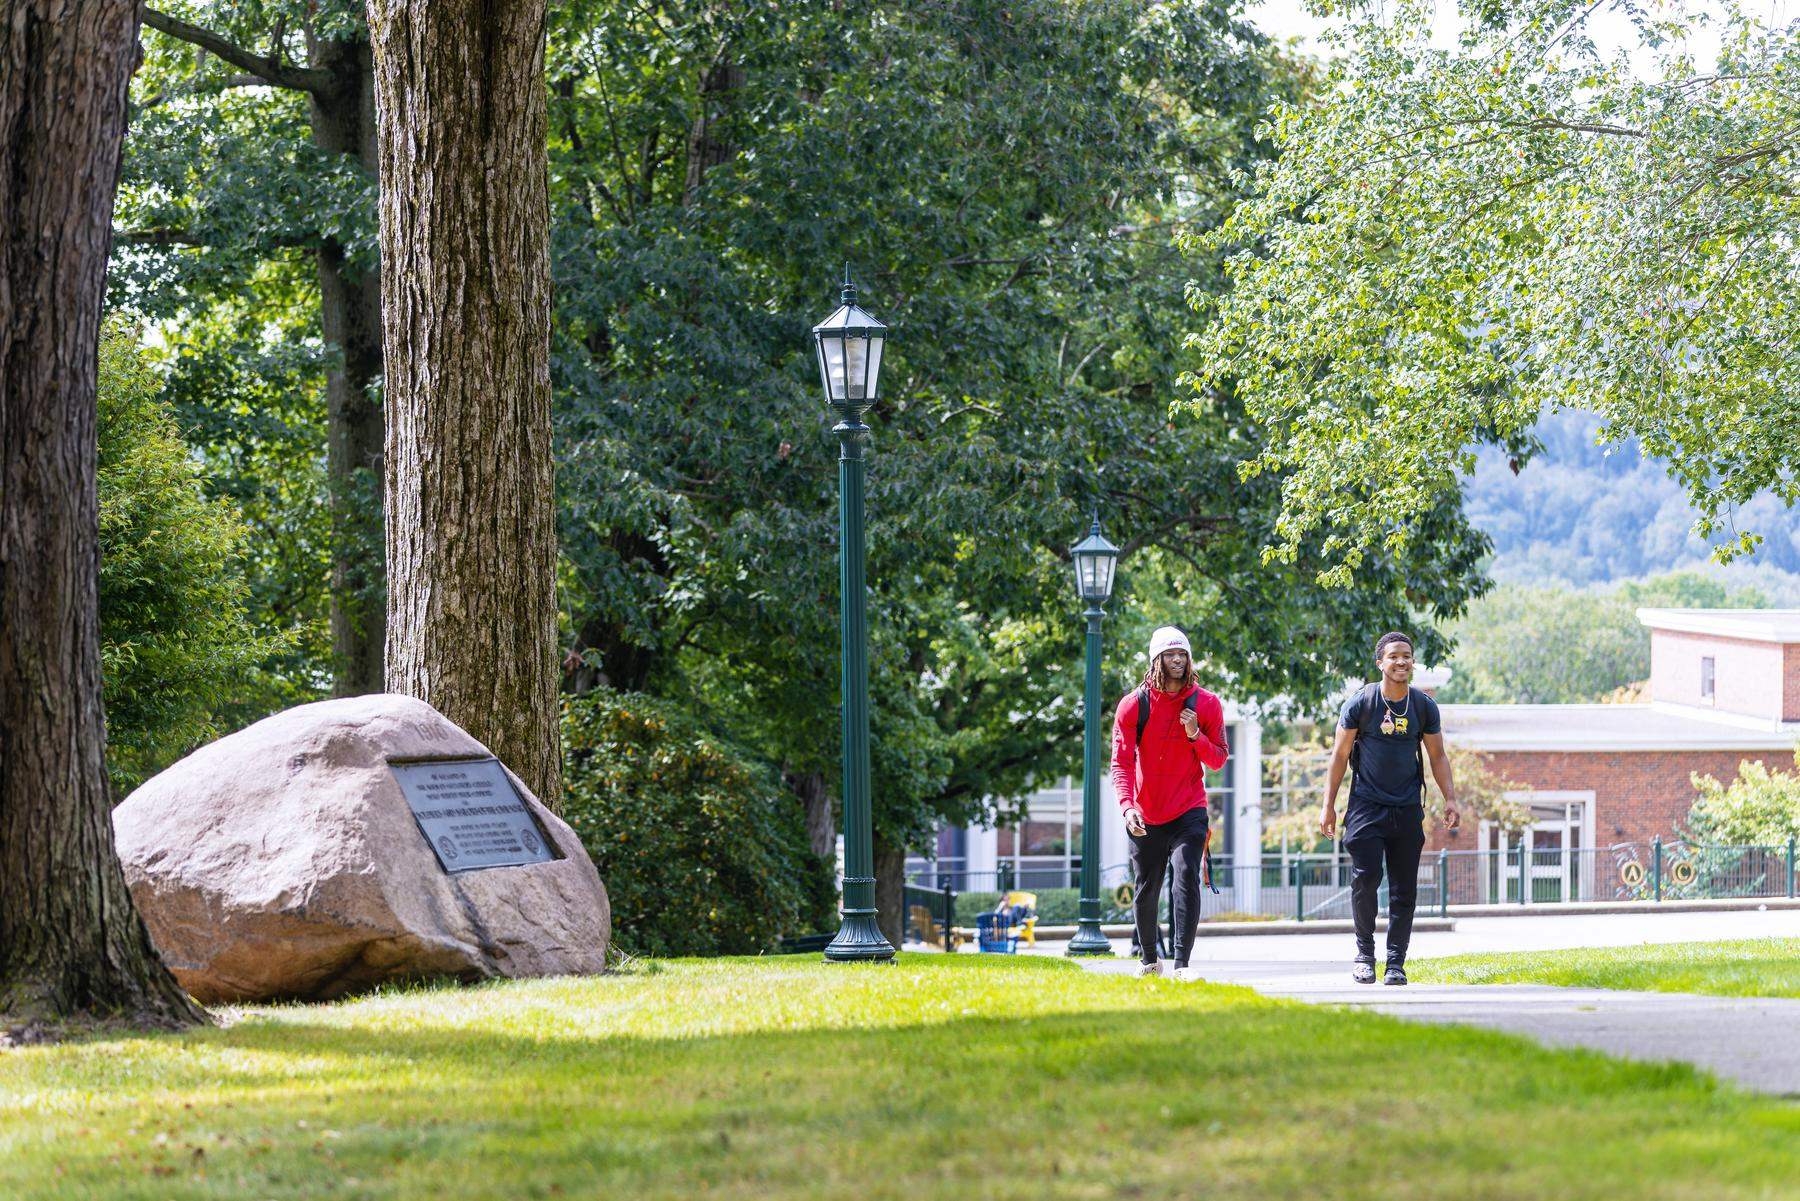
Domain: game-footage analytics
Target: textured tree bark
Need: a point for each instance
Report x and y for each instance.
(72, 945)
(890, 890)
(343, 122)
(465, 292)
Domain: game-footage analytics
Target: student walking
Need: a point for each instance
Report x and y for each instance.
(1165, 735)
(1384, 734)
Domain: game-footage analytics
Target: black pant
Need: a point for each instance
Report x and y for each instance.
(1184, 840)
(1372, 833)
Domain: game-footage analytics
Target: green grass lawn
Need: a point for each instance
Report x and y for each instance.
(1752, 967)
(968, 1077)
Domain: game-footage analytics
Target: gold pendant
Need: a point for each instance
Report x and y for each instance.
(1400, 724)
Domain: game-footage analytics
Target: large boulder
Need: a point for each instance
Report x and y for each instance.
(284, 862)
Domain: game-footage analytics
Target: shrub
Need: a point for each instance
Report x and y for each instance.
(175, 641)
(702, 849)
(1759, 808)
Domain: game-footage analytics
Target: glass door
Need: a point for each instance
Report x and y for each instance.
(1547, 865)
(1545, 858)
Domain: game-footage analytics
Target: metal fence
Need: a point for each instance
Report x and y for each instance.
(1626, 871)
(1313, 887)
(929, 896)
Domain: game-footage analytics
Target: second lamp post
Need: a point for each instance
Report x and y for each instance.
(849, 344)
(1095, 559)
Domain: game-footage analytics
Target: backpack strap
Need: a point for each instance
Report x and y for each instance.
(1364, 723)
(1419, 748)
(1192, 705)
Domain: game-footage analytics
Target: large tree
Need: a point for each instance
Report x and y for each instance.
(1452, 241)
(1007, 180)
(71, 941)
(255, 146)
(465, 286)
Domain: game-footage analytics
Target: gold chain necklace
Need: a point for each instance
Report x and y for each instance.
(1395, 722)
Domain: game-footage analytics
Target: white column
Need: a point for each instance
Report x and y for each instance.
(1246, 785)
(984, 855)
(1114, 850)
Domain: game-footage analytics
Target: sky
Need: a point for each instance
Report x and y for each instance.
(1289, 19)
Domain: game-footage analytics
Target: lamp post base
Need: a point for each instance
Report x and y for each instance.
(859, 939)
(1089, 940)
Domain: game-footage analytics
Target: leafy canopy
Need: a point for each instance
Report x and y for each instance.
(1006, 181)
(1451, 242)
(176, 641)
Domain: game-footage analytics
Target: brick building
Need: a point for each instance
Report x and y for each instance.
(1724, 688)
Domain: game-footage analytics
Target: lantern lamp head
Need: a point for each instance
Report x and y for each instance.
(849, 345)
(1094, 559)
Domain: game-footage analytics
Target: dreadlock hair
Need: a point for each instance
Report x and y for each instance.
(1381, 643)
(1158, 675)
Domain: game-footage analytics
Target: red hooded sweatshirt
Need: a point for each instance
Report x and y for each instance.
(1165, 776)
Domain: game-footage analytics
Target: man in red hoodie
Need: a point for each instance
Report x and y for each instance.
(1165, 735)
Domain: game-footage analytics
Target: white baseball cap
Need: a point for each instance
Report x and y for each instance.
(1168, 638)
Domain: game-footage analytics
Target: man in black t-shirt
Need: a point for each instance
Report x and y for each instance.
(1384, 735)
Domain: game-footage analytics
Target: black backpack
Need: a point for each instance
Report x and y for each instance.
(1367, 724)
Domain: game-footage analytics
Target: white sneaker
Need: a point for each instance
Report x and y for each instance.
(1188, 975)
(1148, 969)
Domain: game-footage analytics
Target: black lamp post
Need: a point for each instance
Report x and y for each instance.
(849, 344)
(1095, 559)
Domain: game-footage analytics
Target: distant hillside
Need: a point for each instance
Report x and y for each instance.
(1578, 515)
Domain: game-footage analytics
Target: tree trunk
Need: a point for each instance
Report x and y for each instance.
(815, 803)
(71, 942)
(343, 122)
(607, 650)
(613, 658)
(465, 293)
(706, 148)
(890, 890)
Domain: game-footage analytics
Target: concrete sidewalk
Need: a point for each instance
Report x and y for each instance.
(1752, 1041)
(1501, 934)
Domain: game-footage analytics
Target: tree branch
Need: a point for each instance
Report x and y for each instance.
(270, 70)
(182, 237)
(1199, 523)
(1617, 131)
(1031, 753)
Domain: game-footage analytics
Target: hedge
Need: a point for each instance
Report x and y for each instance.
(702, 849)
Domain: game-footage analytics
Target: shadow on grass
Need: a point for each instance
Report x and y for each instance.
(1201, 1092)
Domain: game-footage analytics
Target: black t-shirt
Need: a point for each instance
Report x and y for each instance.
(1387, 761)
